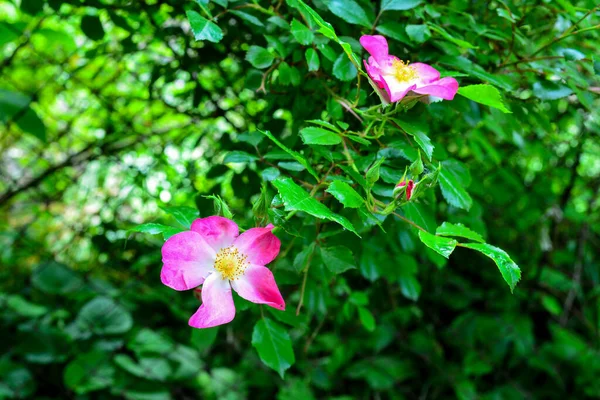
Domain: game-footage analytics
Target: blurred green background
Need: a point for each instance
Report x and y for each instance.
(110, 111)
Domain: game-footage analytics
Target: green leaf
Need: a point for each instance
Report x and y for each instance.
(56, 278)
(203, 339)
(452, 179)
(420, 215)
(152, 368)
(399, 5)
(441, 245)
(153, 229)
(410, 286)
(419, 131)
(148, 341)
(302, 258)
(372, 175)
(296, 198)
(366, 319)
(273, 345)
(104, 316)
(394, 30)
(312, 59)
(418, 33)
(25, 308)
(547, 90)
(89, 372)
(247, 17)
(292, 153)
(288, 75)
(484, 94)
(596, 65)
(314, 135)
(237, 156)
(348, 10)
(182, 214)
(92, 27)
(450, 38)
(509, 270)
(301, 33)
(259, 57)
(345, 194)
(343, 69)
(448, 229)
(338, 259)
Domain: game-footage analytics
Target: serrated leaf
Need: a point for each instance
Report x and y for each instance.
(344, 69)
(259, 57)
(399, 5)
(312, 59)
(509, 270)
(247, 17)
(452, 183)
(296, 198)
(338, 259)
(448, 229)
(301, 33)
(345, 194)
(314, 135)
(420, 215)
(442, 245)
(182, 214)
(484, 94)
(348, 10)
(274, 346)
(292, 153)
(204, 29)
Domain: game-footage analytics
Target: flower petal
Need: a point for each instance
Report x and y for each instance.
(396, 89)
(445, 88)
(218, 231)
(427, 74)
(217, 304)
(258, 286)
(187, 261)
(373, 72)
(376, 45)
(259, 244)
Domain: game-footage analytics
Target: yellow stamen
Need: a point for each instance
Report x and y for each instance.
(231, 263)
(403, 72)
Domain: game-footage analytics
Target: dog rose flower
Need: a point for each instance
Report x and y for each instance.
(212, 254)
(398, 78)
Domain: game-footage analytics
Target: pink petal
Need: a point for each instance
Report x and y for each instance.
(218, 231)
(217, 304)
(259, 244)
(187, 260)
(397, 90)
(426, 73)
(376, 46)
(374, 73)
(445, 88)
(258, 286)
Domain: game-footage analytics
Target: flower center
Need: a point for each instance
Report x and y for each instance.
(230, 263)
(403, 72)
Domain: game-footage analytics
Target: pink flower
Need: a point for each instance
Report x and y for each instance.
(409, 187)
(398, 78)
(213, 254)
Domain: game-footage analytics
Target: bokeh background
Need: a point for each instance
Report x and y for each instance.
(110, 112)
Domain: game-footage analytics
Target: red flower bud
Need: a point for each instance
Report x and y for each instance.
(409, 187)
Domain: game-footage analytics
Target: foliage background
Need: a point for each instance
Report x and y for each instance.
(111, 111)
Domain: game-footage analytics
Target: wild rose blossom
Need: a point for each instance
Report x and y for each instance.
(213, 255)
(409, 187)
(398, 78)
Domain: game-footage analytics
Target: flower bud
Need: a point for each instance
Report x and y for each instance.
(410, 185)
